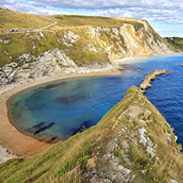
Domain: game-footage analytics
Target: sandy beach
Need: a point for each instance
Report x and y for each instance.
(128, 59)
(13, 143)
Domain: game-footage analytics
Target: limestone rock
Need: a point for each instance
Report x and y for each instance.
(70, 38)
(151, 76)
(147, 113)
(173, 181)
(6, 41)
(115, 43)
(91, 163)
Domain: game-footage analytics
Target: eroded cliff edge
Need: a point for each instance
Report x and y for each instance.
(82, 49)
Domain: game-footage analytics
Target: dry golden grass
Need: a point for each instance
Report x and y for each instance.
(70, 21)
(4, 12)
(22, 21)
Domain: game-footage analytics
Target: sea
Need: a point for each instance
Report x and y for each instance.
(60, 109)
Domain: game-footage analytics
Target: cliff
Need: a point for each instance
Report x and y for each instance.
(76, 49)
(132, 143)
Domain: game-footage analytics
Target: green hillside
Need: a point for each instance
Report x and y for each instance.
(176, 42)
(70, 21)
(21, 21)
(5, 12)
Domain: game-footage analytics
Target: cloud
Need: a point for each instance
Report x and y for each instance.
(167, 11)
(47, 10)
(166, 30)
(98, 4)
(157, 15)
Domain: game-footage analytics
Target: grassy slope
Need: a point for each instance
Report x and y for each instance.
(175, 42)
(6, 12)
(23, 43)
(24, 21)
(21, 21)
(70, 21)
(64, 156)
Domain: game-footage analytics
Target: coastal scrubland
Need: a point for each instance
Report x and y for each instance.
(176, 42)
(133, 142)
(133, 137)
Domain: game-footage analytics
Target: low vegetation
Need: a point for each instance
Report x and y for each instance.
(37, 43)
(70, 21)
(5, 12)
(176, 42)
(21, 21)
(66, 161)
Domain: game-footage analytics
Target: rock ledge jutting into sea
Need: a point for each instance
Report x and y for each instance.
(151, 76)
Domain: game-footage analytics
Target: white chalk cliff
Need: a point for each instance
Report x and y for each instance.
(83, 50)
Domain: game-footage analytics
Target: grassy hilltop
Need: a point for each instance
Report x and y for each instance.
(5, 12)
(21, 21)
(25, 22)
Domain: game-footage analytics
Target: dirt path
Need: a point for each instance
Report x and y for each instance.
(47, 26)
(9, 15)
(32, 30)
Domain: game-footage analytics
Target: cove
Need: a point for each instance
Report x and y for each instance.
(59, 109)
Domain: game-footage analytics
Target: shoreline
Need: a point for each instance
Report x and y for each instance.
(13, 143)
(16, 144)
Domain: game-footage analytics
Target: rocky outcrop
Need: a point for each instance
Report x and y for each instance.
(78, 50)
(151, 76)
(131, 135)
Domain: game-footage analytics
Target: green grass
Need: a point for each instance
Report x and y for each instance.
(6, 12)
(175, 42)
(21, 21)
(66, 21)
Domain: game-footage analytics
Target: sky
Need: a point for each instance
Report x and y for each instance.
(165, 16)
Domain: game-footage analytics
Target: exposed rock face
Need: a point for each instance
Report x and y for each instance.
(151, 76)
(81, 50)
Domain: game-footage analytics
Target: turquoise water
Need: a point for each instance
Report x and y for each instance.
(59, 110)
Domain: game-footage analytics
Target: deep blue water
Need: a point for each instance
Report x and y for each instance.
(61, 108)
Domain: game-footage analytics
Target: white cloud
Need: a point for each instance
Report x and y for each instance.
(166, 30)
(47, 10)
(167, 11)
(159, 15)
(98, 4)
